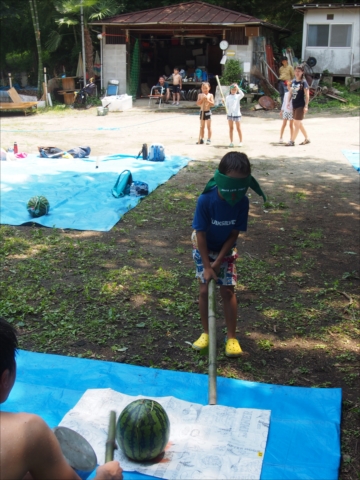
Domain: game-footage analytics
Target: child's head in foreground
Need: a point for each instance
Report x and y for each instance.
(235, 162)
(233, 88)
(176, 70)
(8, 346)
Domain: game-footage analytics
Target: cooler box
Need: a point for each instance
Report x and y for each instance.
(117, 103)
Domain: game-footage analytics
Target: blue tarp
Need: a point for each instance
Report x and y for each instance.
(353, 157)
(304, 437)
(79, 193)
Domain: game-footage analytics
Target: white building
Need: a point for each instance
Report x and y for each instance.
(331, 34)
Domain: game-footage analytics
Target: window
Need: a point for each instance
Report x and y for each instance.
(330, 16)
(340, 36)
(318, 35)
(329, 35)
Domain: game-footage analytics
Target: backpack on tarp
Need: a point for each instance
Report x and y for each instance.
(122, 185)
(125, 185)
(139, 189)
(156, 153)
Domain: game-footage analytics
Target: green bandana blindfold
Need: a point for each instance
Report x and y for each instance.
(233, 189)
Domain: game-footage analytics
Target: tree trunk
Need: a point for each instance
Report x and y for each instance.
(89, 52)
(35, 19)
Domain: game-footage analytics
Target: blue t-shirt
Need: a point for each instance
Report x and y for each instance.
(218, 218)
(163, 87)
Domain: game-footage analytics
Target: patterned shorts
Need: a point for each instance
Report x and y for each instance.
(287, 116)
(227, 274)
(234, 119)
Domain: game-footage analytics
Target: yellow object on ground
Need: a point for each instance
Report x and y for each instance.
(201, 342)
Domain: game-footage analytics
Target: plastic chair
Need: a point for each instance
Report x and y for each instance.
(112, 88)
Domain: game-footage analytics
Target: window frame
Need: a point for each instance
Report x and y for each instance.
(330, 25)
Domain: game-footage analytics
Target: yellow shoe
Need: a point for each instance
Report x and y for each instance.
(201, 342)
(232, 348)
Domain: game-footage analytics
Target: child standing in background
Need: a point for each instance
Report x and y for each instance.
(233, 112)
(205, 101)
(177, 86)
(287, 114)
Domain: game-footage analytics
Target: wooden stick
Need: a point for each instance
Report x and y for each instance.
(110, 442)
(212, 342)
(221, 93)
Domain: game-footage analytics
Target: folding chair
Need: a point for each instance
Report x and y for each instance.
(156, 96)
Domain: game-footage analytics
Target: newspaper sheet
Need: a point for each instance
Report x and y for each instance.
(206, 442)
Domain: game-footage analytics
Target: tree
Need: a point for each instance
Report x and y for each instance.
(35, 20)
(68, 14)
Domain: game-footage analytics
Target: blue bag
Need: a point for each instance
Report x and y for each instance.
(122, 185)
(156, 153)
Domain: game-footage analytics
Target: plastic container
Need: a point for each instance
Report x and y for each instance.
(133, 190)
(118, 103)
(15, 148)
(101, 111)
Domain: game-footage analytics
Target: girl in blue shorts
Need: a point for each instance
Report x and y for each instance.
(233, 112)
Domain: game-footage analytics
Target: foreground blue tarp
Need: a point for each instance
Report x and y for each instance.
(79, 193)
(304, 437)
(353, 157)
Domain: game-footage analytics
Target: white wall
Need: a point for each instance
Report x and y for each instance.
(338, 60)
(114, 65)
(243, 53)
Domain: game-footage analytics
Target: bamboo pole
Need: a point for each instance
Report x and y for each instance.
(35, 19)
(110, 442)
(221, 93)
(212, 342)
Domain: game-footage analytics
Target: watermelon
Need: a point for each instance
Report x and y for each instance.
(143, 430)
(38, 206)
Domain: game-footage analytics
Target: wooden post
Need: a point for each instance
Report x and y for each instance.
(212, 343)
(45, 88)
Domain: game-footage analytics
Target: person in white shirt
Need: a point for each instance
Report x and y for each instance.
(287, 114)
(233, 112)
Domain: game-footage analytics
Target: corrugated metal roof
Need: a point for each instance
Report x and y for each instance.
(306, 6)
(184, 13)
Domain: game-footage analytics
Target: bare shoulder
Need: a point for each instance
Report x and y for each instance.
(16, 431)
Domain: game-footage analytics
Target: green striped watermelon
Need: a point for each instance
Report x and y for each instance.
(143, 430)
(38, 206)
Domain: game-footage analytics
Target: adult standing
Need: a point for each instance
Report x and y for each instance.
(286, 74)
(299, 95)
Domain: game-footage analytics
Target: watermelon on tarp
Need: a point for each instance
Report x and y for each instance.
(38, 206)
(143, 430)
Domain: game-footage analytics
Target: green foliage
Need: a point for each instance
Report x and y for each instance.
(232, 72)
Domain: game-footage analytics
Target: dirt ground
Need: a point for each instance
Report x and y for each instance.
(299, 261)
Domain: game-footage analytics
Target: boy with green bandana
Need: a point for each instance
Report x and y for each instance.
(221, 214)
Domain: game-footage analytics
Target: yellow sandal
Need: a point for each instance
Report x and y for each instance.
(232, 348)
(201, 342)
